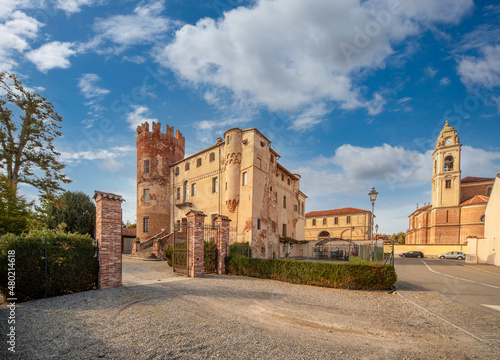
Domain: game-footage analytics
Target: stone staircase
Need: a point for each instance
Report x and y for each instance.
(145, 254)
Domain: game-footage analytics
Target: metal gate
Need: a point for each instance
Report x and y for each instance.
(210, 249)
(180, 248)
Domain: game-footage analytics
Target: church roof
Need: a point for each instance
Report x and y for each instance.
(470, 179)
(348, 210)
(476, 199)
(420, 209)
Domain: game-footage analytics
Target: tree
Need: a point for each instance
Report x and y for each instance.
(15, 214)
(75, 210)
(28, 126)
(399, 238)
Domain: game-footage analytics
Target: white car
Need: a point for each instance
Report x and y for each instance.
(453, 255)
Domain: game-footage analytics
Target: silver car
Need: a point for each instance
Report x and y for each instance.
(453, 255)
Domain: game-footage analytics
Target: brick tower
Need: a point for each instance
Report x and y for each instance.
(155, 151)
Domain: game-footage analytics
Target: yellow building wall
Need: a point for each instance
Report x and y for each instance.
(360, 222)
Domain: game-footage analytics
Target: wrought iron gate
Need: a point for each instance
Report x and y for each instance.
(210, 249)
(180, 251)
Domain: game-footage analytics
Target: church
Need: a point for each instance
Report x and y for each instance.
(457, 209)
(238, 177)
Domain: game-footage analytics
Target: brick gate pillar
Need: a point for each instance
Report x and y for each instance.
(196, 236)
(222, 242)
(109, 238)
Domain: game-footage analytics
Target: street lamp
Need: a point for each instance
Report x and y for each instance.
(373, 196)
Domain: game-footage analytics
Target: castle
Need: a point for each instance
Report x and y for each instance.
(457, 210)
(238, 177)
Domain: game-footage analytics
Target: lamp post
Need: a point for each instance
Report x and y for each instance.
(373, 196)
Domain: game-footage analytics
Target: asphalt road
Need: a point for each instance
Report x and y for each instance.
(465, 285)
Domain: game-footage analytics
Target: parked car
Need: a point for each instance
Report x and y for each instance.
(417, 254)
(453, 255)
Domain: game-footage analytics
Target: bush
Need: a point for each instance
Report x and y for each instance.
(242, 249)
(343, 276)
(168, 254)
(72, 263)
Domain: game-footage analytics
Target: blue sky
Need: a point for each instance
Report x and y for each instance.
(351, 93)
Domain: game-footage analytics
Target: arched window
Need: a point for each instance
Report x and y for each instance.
(186, 191)
(198, 162)
(212, 157)
(324, 235)
(482, 218)
(488, 192)
(186, 167)
(448, 163)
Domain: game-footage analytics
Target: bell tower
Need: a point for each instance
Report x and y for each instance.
(446, 169)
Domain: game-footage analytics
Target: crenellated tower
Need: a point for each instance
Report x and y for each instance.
(155, 151)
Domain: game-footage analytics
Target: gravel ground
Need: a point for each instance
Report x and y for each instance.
(233, 317)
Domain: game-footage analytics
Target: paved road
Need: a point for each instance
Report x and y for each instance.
(464, 284)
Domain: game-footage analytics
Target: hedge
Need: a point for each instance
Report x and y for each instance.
(72, 263)
(341, 276)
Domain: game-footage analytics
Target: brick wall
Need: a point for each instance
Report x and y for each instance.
(196, 236)
(109, 239)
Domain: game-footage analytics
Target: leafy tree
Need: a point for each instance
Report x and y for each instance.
(75, 210)
(399, 238)
(15, 214)
(28, 126)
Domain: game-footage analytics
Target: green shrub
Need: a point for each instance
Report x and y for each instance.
(72, 264)
(358, 261)
(242, 249)
(168, 254)
(344, 276)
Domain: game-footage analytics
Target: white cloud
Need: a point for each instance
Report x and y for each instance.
(52, 55)
(288, 54)
(444, 81)
(16, 28)
(430, 72)
(107, 159)
(73, 6)
(481, 70)
(479, 162)
(145, 25)
(139, 116)
(89, 88)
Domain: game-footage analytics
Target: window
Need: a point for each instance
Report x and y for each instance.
(284, 202)
(193, 189)
(272, 158)
(271, 189)
(336, 220)
(211, 157)
(146, 195)
(302, 208)
(448, 163)
(178, 193)
(324, 221)
(215, 184)
(145, 224)
(176, 171)
(186, 191)
(282, 177)
(186, 167)
(284, 230)
(258, 224)
(273, 226)
(488, 192)
(348, 220)
(482, 218)
(277, 174)
(244, 179)
(146, 166)
(295, 207)
(448, 184)
(314, 222)
(227, 140)
(198, 162)
(288, 181)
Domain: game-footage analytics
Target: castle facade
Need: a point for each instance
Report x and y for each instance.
(238, 177)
